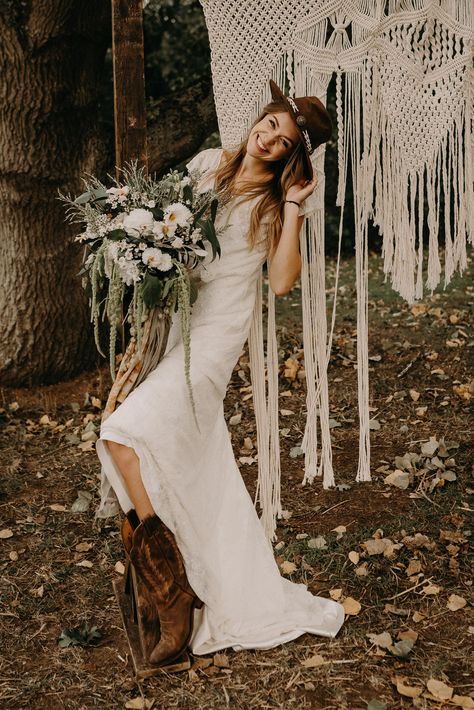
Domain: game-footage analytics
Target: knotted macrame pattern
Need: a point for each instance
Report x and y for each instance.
(404, 96)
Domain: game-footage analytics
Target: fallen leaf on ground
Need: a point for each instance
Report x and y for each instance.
(235, 419)
(383, 640)
(463, 701)
(313, 661)
(401, 649)
(288, 567)
(439, 690)
(85, 563)
(455, 602)
(418, 616)
(408, 691)
(83, 546)
(414, 395)
(354, 557)
(431, 589)
(414, 566)
(6, 533)
(408, 634)
(351, 606)
(139, 704)
(119, 567)
(335, 594)
(362, 570)
(221, 660)
(317, 543)
(400, 479)
(58, 508)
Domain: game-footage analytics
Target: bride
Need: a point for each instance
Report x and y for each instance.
(204, 574)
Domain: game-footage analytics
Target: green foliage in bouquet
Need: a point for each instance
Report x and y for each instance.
(143, 240)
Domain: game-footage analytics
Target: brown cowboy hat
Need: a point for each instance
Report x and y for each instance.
(310, 118)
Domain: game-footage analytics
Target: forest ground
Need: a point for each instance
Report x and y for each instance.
(399, 558)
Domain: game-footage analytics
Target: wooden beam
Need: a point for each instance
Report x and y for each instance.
(129, 82)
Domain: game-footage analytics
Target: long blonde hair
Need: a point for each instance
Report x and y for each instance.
(282, 175)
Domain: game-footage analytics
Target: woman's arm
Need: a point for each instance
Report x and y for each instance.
(285, 266)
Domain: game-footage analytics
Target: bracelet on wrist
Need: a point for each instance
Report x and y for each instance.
(293, 202)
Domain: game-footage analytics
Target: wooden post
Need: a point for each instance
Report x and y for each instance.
(129, 82)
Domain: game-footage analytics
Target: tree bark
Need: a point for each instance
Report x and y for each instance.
(51, 58)
(179, 124)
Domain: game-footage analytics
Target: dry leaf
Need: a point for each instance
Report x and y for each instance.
(83, 546)
(400, 479)
(383, 640)
(119, 567)
(431, 589)
(286, 412)
(313, 661)
(408, 634)
(6, 533)
(351, 606)
(58, 508)
(86, 446)
(414, 566)
(455, 602)
(85, 563)
(288, 567)
(235, 419)
(317, 543)
(95, 401)
(463, 701)
(407, 690)
(340, 530)
(221, 660)
(439, 690)
(335, 594)
(139, 704)
(414, 395)
(354, 557)
(13, 555)
(418, 616)
(362, 570)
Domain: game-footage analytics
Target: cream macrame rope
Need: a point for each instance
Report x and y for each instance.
(402, 154)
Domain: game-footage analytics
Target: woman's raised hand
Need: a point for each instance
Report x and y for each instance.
(301, 190)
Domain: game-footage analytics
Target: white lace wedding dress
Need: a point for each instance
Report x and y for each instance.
(192, 478)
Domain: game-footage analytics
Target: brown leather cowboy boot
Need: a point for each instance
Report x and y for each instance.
(160, 569)
(129, 523)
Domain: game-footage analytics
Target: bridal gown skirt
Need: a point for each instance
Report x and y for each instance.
(191, 475)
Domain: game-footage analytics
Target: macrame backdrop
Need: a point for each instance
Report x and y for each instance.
(404, 97)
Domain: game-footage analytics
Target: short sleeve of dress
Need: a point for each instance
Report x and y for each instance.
(204, 160)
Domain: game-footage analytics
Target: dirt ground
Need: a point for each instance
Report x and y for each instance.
(397, 553)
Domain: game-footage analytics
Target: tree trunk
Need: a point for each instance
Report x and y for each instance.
(179, 124)
(51, 58)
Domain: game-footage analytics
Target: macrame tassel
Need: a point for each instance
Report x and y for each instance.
(313, 287)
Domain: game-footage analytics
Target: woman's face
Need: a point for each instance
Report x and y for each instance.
(273, 138)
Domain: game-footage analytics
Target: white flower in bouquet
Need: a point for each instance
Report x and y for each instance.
(157, 259)
(177, 243)
(162, 229)
(129, 270)
(138, 222)
(178, 213)
(185, 181)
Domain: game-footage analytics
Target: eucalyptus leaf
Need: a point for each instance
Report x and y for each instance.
(116, 234)
(151, 290)
(188, 193)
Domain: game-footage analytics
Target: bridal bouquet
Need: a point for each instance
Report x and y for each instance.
(143, 240)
